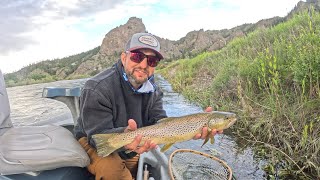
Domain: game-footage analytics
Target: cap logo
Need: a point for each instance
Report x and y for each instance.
(149, 40)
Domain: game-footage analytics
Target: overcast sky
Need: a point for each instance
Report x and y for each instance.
(36, 30)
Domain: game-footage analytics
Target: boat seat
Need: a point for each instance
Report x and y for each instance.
(68, 95)
(5, 121)
(35, 148)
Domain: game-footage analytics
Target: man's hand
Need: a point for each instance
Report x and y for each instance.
(134, 145)
(204, 133)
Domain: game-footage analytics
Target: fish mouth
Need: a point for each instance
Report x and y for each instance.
(231, 117)
(232, 121)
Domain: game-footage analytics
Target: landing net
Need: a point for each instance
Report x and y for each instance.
(185, 164)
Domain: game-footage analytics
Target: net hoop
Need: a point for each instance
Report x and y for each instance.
(199, 153)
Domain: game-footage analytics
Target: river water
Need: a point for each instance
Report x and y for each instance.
(29, 108)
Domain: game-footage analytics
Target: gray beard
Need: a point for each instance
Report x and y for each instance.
(134, 81)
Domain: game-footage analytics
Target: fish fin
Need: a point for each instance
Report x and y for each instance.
(212, 139)
(211, 136)
(166, 147)
(208, 137)
(104, 144)
(206, 140)
(165, 119)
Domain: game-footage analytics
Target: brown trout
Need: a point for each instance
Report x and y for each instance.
(167, 131)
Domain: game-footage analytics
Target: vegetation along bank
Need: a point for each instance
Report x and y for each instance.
(271, 79)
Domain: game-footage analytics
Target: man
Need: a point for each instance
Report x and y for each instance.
(121, 99)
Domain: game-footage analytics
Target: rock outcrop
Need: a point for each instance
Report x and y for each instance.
(193, 43)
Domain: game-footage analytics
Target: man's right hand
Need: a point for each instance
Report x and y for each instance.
(135, 144)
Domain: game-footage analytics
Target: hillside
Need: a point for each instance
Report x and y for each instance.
(93, 61)
(271, 78)
(49, 70)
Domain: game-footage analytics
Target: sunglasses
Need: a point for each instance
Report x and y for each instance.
(138, 57)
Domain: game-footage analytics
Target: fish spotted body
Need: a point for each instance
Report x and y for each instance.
(167, 131)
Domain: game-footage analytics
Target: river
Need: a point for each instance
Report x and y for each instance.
(29, 108)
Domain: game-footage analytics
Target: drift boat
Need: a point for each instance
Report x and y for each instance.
(51, 152)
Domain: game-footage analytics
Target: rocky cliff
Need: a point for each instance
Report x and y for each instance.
(114, 41)
(192, 44)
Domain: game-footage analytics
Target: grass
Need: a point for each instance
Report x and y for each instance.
(271, 79)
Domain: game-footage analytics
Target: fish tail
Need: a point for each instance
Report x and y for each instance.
(104, 144)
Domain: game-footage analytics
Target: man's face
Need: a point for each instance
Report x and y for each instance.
(137, 73)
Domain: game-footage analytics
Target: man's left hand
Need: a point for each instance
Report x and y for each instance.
(204, 133)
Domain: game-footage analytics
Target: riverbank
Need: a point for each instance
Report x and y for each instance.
(271, 79)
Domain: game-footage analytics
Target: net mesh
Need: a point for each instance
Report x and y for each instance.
(185, 164)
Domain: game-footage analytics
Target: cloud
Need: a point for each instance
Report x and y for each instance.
(15, 21)
(19, 18)
(179, 18)
(35, 30)
(85, 7)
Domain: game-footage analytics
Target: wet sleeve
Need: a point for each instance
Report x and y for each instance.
(96, 114)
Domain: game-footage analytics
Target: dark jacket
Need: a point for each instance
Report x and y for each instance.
(107, 102)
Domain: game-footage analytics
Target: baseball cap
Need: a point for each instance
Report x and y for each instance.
(144, 41)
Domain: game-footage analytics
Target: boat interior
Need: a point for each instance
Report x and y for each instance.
(50, 151)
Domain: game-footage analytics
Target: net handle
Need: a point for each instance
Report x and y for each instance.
(200, 153)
